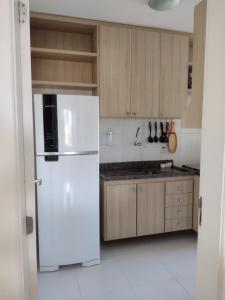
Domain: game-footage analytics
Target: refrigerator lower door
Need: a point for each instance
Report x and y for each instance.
(68, 211)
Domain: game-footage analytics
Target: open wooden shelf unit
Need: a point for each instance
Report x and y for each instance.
(64, 53)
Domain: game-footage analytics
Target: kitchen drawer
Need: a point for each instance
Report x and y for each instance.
(178, 224)
(179, 187)
(178, 212)
(179, 199)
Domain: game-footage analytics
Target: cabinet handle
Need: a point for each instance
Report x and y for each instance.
(127, 113)
(134, 113)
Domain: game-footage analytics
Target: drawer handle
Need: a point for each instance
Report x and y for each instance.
(178, 223)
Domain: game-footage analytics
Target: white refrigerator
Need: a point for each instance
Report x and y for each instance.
(67, 170)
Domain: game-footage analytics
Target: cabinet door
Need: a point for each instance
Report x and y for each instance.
(145, 73)
(192, 117)
(196, 199)
(119, 219)
(115, 71)
(150, 208)
(174, 69)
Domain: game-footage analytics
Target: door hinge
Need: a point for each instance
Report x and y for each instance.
(22, 12)
(200, 210)
(29, 225)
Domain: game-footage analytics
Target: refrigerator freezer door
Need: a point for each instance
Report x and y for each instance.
(68, 210)
(78, 123)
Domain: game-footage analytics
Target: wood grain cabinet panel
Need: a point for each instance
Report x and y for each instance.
(196, 201)
(115, 71)
(179, 187)
(119, 217)
(192, 117)
(145, 73)
(178, 199)
(179, 212)
(174, 68)
(178, 224)
(64, 54)
(150, 208)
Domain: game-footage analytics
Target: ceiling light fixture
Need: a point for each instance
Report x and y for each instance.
(163, 4)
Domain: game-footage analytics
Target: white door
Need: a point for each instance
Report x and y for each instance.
(211, 251)
(18, 275)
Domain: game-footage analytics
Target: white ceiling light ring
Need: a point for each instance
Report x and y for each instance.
(163, 4)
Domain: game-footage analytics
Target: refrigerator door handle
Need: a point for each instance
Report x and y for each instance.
(67, 153)
(38, 182)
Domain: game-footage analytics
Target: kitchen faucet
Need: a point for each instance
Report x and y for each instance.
(137, 143)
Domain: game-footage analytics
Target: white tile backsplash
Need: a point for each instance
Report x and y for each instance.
(123, 149)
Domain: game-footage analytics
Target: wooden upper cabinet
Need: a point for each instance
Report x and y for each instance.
(174, 69)
(150, 208)
(192, 117)
(115, 71)
(145, 73)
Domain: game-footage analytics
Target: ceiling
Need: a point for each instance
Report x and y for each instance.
(134, 12)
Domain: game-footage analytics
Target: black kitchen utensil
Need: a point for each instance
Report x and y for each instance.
(163, 134)
(150, 139)
(156, 137)
(167, 132)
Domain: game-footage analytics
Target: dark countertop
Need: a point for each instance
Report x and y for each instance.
(193, 168)
(140, 170)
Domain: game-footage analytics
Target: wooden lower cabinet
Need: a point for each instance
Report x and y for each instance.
(179, 205)
(195, 205)
(179, 212)
(144, 207)
(178, 199)
(150, 208)
(119, 211)
(179, 187)
(178, 224)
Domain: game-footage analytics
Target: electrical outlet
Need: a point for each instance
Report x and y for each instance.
(163, 149)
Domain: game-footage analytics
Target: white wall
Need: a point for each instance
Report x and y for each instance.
(123, 149)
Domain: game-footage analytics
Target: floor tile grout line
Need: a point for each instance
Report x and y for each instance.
(79, 288)
(177, 280)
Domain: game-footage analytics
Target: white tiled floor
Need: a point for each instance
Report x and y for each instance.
(150, 268)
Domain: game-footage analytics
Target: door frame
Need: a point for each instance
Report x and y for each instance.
(210, 284)
(29, 158)
(18, 273)
(210, 261)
